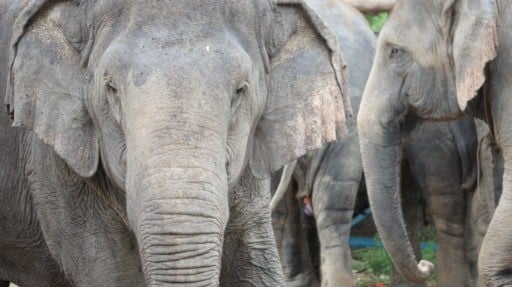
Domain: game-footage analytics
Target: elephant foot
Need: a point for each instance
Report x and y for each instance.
(406, 284)
(4, 283)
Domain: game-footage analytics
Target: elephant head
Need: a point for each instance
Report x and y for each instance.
(430, 62)
(174, 99)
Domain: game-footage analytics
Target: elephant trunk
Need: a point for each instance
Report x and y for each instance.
(380, 150)
(177, 198)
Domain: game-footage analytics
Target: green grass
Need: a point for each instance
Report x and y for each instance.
(377, 266)
(377, 21)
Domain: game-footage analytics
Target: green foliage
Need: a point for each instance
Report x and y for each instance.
(377, 266)
(375, 261)
(377, 21)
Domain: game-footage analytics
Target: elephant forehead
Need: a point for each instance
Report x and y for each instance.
(194, 16)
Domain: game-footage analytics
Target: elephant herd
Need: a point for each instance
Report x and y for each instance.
(142, 140)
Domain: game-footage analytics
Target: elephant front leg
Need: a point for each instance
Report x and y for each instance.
(4, 283)
(446, 201)
(294, 245)
(334, 195)
(495, 260)
(333, 207)
(250, 255)
(449, 217)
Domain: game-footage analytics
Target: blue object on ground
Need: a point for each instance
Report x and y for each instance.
(361, 216)
(367, 242)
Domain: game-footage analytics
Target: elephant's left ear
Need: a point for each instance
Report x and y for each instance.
(475, 41)
(46, 85)
(307, 102)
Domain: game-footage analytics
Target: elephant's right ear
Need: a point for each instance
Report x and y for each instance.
(46, 86)
(307, 102)
(475, 42)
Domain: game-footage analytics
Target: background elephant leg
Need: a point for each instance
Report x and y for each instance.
(440, 179)
(250, 255)
(449, 219)
(334, 195)
(4, 283)
(333, 208)
(294, 248)
(410, 208)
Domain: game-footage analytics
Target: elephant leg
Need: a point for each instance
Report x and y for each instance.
(495, 260)
(449, 219)
(410, 207)
(295, 254)
(312, 240)
(4, 283)
(440, 179)
(250, 255)
(334, 195)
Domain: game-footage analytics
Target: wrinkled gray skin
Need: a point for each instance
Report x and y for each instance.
(432, 59)
(147, 131)
(330, 176)
(445, 180)
(331, 185)
(439, 163)
(482, 203)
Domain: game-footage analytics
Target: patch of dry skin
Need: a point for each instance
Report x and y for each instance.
(48, 27)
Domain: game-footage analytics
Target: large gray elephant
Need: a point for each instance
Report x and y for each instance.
(147, 131)
(438, 60)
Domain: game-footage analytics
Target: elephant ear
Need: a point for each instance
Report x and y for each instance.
(307, 102)
(46, 86)
(475, 42)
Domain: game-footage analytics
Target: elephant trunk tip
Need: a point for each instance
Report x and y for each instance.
(426, 268)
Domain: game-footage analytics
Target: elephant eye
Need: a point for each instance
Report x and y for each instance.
(109, 83)
(399, 57)
(112, 98)
(242, 90)
(238, 98)
(395, 52)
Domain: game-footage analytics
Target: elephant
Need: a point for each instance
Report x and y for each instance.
(447, 182)
(438, 60)
(329, 176)
(140, 136)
